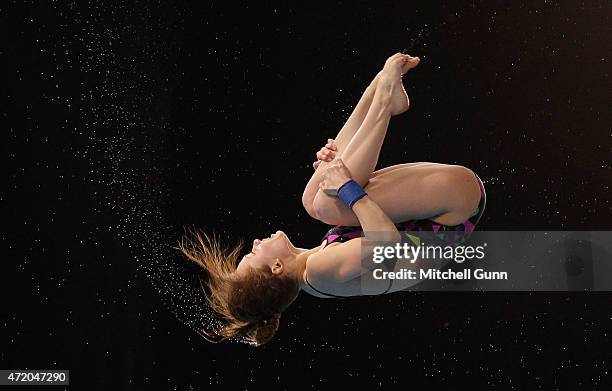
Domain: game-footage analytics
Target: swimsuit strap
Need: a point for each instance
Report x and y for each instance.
(316, 290)
(337, 296)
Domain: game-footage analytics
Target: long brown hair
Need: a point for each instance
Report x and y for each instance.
(249, 305)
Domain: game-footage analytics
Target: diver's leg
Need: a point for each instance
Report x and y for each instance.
(446, 194)
(361, 159)
(362, 152)
(398, 166)
(356, 118)
(361, 155)
(342, 140)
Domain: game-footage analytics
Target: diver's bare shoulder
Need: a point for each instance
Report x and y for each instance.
(337, 269)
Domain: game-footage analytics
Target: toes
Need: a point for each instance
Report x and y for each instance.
(394, 57)
(410, 63)
(409, 58)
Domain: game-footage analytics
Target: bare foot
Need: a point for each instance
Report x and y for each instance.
(391, 78)
(400, 101)
(409, 63)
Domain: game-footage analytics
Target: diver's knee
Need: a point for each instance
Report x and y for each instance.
(309, 207)
(324, 210)
(308, 204)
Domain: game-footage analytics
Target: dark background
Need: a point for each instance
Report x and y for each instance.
(126, 122)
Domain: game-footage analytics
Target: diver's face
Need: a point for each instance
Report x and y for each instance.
(272, 252)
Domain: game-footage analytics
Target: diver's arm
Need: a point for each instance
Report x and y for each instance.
(346, 261)
(374, 220)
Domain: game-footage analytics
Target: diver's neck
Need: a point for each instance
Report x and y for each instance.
(301, 259)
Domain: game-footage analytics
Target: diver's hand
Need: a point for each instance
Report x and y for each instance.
(334, 176)
(326, 154)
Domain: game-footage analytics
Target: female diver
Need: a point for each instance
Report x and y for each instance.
(251, 293)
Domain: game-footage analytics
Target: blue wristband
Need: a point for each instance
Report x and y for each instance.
(350, 193)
